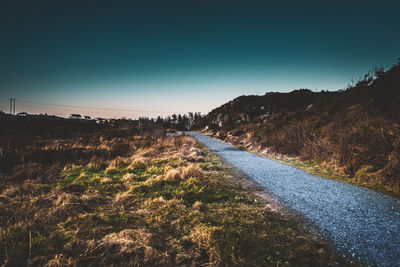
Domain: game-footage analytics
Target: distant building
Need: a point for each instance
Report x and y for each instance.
(22, 114)
(87, 117)
(75, 116)
(100, 120)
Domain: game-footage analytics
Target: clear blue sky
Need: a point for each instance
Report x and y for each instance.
(185, 55)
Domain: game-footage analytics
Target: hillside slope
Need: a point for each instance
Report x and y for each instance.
(353, 132)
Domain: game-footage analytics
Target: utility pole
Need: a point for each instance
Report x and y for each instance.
(12, 106)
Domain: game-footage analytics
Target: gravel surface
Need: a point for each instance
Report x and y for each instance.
(361, 223)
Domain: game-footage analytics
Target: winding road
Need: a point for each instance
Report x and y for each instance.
(361, 223)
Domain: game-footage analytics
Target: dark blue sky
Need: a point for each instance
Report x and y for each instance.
(185, 55)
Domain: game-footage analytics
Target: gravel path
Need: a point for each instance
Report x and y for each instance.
(360, 222)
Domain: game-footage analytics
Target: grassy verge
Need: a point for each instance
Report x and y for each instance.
(168, 203)
(323, 170)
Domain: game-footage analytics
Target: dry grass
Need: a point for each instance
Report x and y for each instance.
(138, 201)
(354, 144)
(118, 163)
(173, 174)
(97, 163)
(128, 178)
(138, 162)
(192, 171)
(60, 260)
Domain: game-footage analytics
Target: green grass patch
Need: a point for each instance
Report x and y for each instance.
(93, 179)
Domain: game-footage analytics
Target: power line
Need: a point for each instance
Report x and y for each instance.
(98, 108)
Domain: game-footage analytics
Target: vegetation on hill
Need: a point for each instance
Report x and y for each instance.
(353, 133)
(105, 196)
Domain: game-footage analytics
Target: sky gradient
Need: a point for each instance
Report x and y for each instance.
(180, 56)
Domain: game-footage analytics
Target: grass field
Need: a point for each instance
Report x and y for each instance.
(130, 199)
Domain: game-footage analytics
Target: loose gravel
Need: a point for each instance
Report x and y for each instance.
(360, 223)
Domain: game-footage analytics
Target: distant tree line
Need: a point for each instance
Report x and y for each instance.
(175, 121)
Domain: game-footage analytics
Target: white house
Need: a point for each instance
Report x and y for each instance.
(75, 116)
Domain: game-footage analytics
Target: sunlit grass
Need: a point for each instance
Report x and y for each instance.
(171, 203)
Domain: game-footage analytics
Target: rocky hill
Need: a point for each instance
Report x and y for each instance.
(353, 132)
